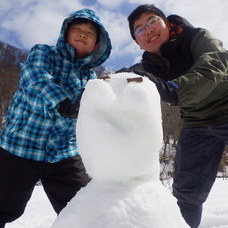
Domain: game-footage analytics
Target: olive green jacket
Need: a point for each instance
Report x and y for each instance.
(197, 62)
(203, 89)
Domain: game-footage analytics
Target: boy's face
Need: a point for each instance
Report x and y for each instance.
(151, 32)
(83, 38)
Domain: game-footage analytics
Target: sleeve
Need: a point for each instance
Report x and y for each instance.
(166, 90)
(209, 69)
(37, 81)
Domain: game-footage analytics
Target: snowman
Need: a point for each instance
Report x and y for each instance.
(119, 135)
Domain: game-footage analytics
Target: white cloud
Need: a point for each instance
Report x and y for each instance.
(39, 21)
(113, 4)
(117, 27)
(8, 6)
(36, 27)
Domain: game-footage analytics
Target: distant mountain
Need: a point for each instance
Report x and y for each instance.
(11, 55)
(10, 58)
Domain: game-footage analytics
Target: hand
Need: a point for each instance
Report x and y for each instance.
(106, 77)
(138, 79)
(167, 90)
(69, 109)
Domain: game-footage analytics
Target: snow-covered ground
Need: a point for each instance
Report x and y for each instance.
(39, 213)
(216, 207)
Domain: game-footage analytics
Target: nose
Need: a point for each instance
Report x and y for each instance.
(82, 34)
(149, 29)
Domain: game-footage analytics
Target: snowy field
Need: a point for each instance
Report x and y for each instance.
(39, 213)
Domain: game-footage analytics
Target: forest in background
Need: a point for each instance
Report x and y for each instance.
(10, 59)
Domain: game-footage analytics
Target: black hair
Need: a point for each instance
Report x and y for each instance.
(136, 14)
(85, 21)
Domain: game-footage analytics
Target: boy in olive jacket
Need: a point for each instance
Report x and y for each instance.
(190, 69)
(39, 139)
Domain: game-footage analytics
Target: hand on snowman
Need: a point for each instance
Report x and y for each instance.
(167, 90)
(136, 79)
(68, 109)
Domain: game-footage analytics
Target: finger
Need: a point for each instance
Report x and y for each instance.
(105, 77)
(138, 79)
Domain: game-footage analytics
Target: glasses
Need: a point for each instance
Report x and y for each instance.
(150, 22)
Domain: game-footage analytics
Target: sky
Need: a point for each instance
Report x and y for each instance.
(28, 22)
(119, 135)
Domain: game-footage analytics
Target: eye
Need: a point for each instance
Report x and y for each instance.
(138, 31)
(76, 29)
(152, 21)
(91, 34)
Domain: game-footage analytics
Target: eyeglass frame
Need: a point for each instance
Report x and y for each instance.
(140, 30)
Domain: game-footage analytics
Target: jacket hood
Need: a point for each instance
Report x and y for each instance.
(96, 57)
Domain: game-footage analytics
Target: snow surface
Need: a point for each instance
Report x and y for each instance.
(39, 213)
(119, 136)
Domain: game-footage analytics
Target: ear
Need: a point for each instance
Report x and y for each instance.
(167, 24)
(137, 44)
(96, 46)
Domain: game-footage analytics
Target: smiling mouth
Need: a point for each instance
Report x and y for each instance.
(153, 38)
(80, 41)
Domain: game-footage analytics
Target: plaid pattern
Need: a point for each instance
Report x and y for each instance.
(34, 129)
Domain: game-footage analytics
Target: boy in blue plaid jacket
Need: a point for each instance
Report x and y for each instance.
(39, 139)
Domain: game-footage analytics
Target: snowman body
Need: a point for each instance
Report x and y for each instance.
(119, 134)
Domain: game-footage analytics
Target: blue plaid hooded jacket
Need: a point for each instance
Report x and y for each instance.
(34, 129)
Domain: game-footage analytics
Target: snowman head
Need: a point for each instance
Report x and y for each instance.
(119, 130)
